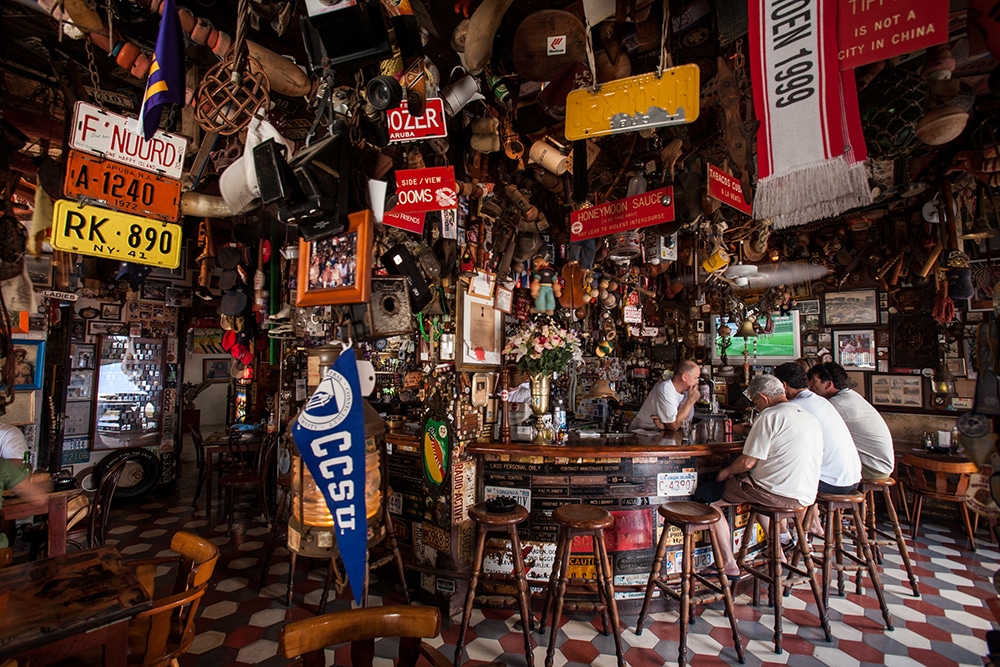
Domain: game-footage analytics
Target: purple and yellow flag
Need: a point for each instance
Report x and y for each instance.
(166, 75)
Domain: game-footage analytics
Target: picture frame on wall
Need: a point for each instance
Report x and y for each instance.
(22, 411)
(914, 341)
(480, 340)
(39, 269)
(81, 355)
(154, 290)
(111, 312)
(29, 363)
(216, 370)
(847, 308)
(984, 276)
(336, 270)
(855, 349)
(809, 307)
(900, 391)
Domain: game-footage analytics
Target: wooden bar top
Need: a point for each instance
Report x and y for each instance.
(625, 446)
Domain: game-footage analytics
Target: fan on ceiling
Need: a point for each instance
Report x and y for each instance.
(746, 277)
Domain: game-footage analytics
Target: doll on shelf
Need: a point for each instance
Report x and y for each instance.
(544, 287)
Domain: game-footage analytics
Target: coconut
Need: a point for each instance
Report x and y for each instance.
(941, 125)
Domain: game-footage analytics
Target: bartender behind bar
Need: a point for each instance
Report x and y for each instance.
(671, 402)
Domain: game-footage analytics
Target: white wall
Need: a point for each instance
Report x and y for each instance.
(212, 401)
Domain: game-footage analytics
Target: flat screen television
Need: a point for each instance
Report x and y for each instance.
(783, 344)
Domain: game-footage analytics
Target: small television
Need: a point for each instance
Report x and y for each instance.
(781, 345)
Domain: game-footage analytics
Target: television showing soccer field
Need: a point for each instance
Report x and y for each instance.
(783, 344)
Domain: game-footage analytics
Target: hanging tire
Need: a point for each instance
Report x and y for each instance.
(142, 471)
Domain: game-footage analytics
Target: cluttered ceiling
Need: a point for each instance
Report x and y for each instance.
(928, 116)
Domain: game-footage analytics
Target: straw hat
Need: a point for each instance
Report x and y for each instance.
(602, 389)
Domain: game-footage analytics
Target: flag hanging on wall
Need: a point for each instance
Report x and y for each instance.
(330, 437)
(166, 75)
(810, 147)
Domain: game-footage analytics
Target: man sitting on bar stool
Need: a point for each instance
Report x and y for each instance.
(868, 429)
(671, 402)
(840, 471)
(779, 466)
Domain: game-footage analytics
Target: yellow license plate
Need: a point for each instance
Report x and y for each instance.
(90, 230)
(634, 103)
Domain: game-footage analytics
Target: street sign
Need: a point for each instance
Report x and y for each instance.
(404, 127)
(431, 189)
(725, 188)
(633, 212)
(122, 187)
(634, 103)
(90, 230)
(110, 136)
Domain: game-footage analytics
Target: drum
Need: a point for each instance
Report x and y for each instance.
(625, 245)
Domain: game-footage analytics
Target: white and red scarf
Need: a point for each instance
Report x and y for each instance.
(810, 148)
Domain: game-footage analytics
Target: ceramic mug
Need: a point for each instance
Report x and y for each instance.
(460, 93)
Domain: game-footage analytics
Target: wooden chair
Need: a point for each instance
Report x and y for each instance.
(306, 640)
(251, 460)
(199, 456)
(939, 480)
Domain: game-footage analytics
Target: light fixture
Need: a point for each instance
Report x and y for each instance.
(943, 381)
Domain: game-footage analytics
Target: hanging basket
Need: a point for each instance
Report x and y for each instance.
(228, 98)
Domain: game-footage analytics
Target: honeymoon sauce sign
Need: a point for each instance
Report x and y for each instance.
(431, 189)
(643, 210)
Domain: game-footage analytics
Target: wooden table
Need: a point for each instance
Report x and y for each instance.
(54, 608)
(218, 443)
(54, 506)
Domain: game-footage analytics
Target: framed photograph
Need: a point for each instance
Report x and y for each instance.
(480, 342)
(846, 308)
(178, 275)
(154, 290)
(809, 307)
(81, 385)
(901, 391)
(111, 311)
(810, 322)
(215, 370)
(29, 363)
(81, 355)
(77, 420)
(337, 270)
(482, 284)
(39, 270)
(984, 277)
(914, 341)
(22, 410)
(95, 328)
(505, 299)
(855, 350)
(957, 367)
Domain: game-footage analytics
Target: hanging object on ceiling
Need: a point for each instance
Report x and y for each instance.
(546, 43)
(234, 90)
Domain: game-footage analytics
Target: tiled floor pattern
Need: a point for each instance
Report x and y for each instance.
(239, 625)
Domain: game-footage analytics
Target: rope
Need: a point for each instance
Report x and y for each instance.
(239, 44)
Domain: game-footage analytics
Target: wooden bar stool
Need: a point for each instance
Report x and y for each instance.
(870, 487)
(487, 522)
(834, 506)
(690, 518)
(774, 572)
(576, 520)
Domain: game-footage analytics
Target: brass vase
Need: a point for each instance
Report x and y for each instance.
(540, 386)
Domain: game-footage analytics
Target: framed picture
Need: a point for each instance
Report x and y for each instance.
(178, 275)
(111, 311)
(480, 341)
(855, 350)
(19, 322)
(154, 290)
(337, 270)
(39, 270)
(957, 366)
(809, 307)
(914, 341)
(22, 410)
(29, 363)
(95, 328)
(482, 284)
(81, 355)
(77, 421)
(901, 391)
(215, 370)
(81, 385)
(984, 276)
(505, 299)
(854, 307)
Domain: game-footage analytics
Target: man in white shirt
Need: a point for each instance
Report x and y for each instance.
(12, 443)
(870, 432)
(671, 402)
(775, 468)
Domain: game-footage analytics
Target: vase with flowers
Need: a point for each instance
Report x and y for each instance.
(540, 350)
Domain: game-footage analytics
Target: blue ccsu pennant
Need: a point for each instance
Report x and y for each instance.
(330, 436)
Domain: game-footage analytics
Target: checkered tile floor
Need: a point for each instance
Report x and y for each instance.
(239, 625)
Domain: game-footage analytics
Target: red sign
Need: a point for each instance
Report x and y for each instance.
(431, 189)
(870, 30)
(404, 127)
(622, 215)
(410, 222)
(727, 189)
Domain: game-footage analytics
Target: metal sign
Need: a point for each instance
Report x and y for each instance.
(98, 232)
(634, 103)
(122, 187)
(431, 189)
(640, 210)
(404, 127)
(110, 136)
(725, 188)
(868, 32)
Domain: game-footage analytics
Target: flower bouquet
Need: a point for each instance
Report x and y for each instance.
(543, 347)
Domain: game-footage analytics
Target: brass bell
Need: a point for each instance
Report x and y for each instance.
(746, 329)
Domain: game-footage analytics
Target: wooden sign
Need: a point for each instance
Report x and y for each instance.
(634, 212)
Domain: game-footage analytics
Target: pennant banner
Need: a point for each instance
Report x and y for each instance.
(330, 436)
(166, 75)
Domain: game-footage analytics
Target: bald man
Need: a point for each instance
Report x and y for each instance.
(671, 402)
